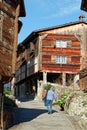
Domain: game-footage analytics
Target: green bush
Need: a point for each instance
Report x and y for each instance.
(84, 103)
(7, 91)
(47, 86)
(62, 100)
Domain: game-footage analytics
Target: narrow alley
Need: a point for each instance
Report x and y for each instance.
(33, 115)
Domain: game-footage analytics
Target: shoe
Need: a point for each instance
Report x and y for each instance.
(50, 112)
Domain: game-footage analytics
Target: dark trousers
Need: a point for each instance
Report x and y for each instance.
(49, 105)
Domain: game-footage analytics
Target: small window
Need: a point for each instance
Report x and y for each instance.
(61, 59)
(57, 59)
(61, 44)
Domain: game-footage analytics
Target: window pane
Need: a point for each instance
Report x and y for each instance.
(57, 59)
(61, 59)
(61, 44)
(58, 43)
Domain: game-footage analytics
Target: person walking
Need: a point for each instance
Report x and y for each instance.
(49, 99)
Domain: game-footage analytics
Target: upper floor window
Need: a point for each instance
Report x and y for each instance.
(23, 69)
(61, 44)
(61, 59)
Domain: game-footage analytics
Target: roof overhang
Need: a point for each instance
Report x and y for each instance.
(19, 25)
(22, 9)
(84, 5)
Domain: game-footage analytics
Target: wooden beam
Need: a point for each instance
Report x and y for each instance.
(15, 39)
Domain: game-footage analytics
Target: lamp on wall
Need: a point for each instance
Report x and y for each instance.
(84, 5)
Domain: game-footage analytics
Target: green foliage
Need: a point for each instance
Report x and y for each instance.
(7, 91)
(47, 87)
(55, 103)
(84, 103)
(62, 100)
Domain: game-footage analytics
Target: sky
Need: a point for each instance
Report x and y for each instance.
(48, 13)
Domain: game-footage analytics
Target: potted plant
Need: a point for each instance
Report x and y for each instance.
(47, 87)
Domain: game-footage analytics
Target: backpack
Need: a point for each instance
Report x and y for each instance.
(44, 93)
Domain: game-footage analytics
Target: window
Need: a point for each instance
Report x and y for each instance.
(61, 59)
(22, 74)
(61, 44)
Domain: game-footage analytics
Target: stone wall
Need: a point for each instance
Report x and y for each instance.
(59, 89)
(76, 105)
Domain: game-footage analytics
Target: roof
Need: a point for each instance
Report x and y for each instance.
(84, 5)
(59, 26)
(22, 9)
(36, 32)
(22, 6)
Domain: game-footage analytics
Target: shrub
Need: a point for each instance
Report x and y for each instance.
(84, 103)
(7, 91)
(62, 100)
(47, 87)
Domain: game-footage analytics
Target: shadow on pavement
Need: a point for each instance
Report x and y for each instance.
(24, 115)
(27, 98)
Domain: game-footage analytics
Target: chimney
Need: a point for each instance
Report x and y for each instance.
(81, 18)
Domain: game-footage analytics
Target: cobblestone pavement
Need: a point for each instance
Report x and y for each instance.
(32, 115)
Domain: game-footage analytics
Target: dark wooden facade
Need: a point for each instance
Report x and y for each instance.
(10, 10)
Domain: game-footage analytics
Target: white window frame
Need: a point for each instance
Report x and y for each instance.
(61, 59)
(61, 44)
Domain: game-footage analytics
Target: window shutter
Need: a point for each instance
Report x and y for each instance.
(68, 59)
(69, 43)
(53, 58)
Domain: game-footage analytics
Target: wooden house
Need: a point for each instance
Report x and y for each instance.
(10, 11)
(83, 72)
(55, 54)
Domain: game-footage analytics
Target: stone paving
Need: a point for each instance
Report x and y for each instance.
(32, 115)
